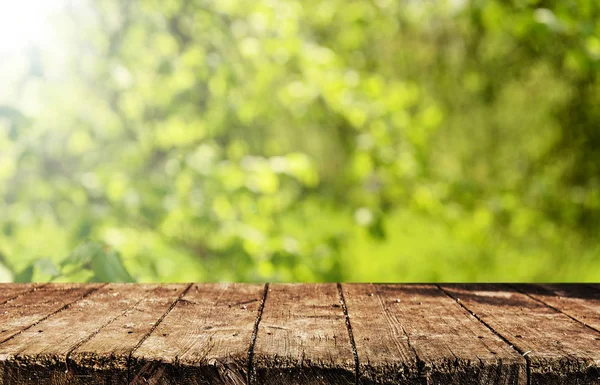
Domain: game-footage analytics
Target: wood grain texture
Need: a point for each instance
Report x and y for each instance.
(559, 350)
(42, 354)
(105, 357)
(203, 340)
(28, 309)
(11, 291)
(410, 334)
(120, 334)
(579, 302)
(302, 337)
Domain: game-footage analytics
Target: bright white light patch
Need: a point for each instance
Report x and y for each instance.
(26, 23)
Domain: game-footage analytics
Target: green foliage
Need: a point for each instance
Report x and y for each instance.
(89, 261)
(306, 140)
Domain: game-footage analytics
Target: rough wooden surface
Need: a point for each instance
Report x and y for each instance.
(384, 351)
(410, 333)
(11, 292)
(558, 349)
(104, 358)
(302, 337)
(27, 310)
(299, 334)
(42, 353)
(203, 340)
(576, 301)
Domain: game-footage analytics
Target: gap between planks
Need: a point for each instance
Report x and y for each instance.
(350, 333)
(22, 293)
(515, 288)
(503, 338)
(250, 377)
(95, 333)
(153, 328)
(64, 307)
(420, 362)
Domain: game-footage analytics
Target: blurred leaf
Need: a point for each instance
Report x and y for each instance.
(47, 267)
(108, 267)
(103, 261)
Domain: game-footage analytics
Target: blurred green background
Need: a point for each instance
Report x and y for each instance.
(300, 140)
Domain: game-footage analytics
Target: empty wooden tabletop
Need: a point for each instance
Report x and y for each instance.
(299, 334)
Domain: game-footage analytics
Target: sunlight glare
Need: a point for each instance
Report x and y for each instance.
(26, 23)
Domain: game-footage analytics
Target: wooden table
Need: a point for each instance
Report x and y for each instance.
(299, 334)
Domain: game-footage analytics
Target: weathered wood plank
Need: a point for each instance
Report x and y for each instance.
(302, 337)
(203, 340)
(411, 334)
(559, 350)
(577, 301)
(26, 310)
(11, 291)
(384, 352)
(42, 354)
(403, 334)
(105, 357)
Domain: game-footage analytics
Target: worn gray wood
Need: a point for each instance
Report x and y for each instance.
(203, 340)
(302, 337)
(408, 334)
(559, 349)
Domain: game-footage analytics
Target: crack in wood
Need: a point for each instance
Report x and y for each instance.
(350, 333)
(251, 376)
(145, 337)
(420, 363)
(95, 332)
(22, 293)
(510, 344)
(62, 308)
(561, 349)
(553, 308)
